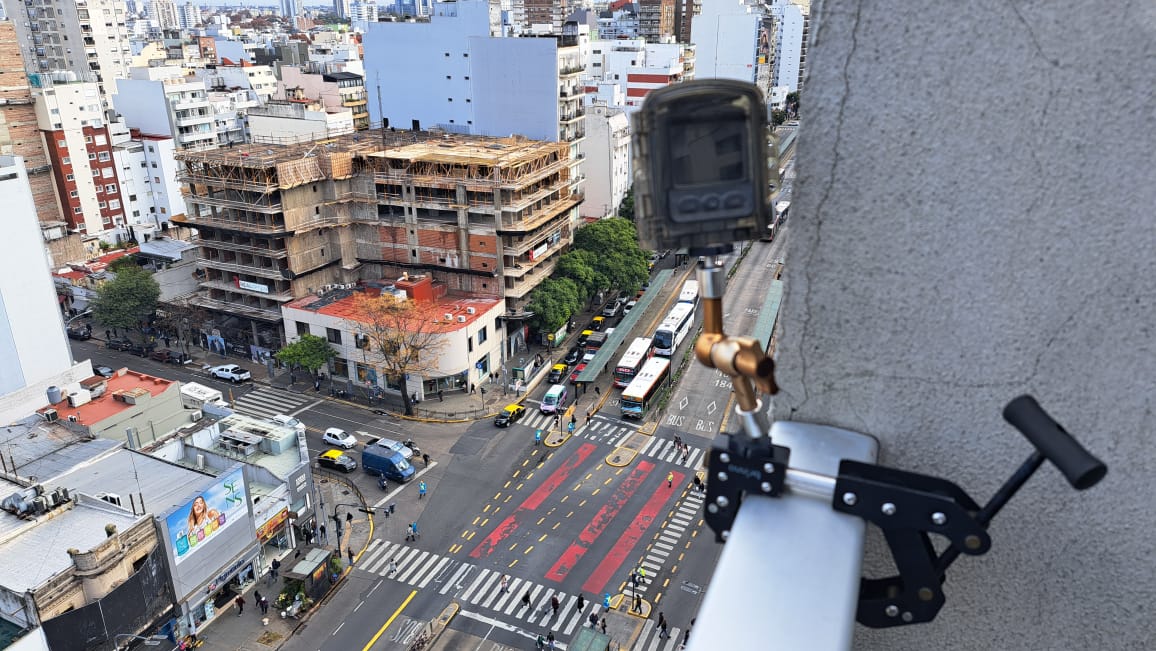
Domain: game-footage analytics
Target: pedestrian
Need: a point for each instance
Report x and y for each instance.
(107, 335)
(637, 603)
(685, 454)
(540, 643)
(257, 597)
(678, 442)
(593, 620)
(274, 567)
(581, 603)
(554, 604)
(482, 390)
(641, 571)
(317, 385)
(421, 488)
(526, 600)
(425, 458)
(697, 484)
(589, 412)
(349, 552)
(393, 566)
(634, 580)
(597, 391)
(505, 584)
(472, 388)
(570, 427)
(550, 640)
(166, 338)
(603, 624)
(537, 437)
(573, 420)
(606, 601)
(240, 603)
(441, 396)
(686, 637)
(662, 625)
(670, 479)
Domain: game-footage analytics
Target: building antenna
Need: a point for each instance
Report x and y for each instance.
(380, 110)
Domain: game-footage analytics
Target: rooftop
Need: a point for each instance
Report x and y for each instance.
(344, 304)
(36, 450)
(117, 394)
(165, 247)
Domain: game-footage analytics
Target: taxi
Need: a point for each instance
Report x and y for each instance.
(598, 323)
(510, 414)
(336, 460)
(557, 372)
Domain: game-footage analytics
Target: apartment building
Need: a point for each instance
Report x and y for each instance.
(164, 12)
(608, 161)
(79, 146)
(792, 31)
(731, 41)
(337, 91)
(622, 72)
(486, 217)
(305, 119)
(166, 101)
(656, 20)
(150, 192)
(684, 13)
(87, 38)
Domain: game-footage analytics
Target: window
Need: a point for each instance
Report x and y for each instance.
(74, 194)
(96, 172)
(101, 140)
(91, 156)
(63, 144)
(76, 210)
(156, 179)
(482, 335)
(102, 205)
(114, 204)
(469, 344)
(110, 188)
(69, 177)
(66, 161)
(154, 165)
(151, 148)
(88, 139)
(103, 156)
(302, 328)
(107, 172)
(340, 368)
(334, 336)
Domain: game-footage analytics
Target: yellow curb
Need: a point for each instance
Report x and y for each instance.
(562, 438)
(648, 428)
(615, 458)
(646, 609)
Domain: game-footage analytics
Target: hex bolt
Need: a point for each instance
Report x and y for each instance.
(726, 534)
(907, 616)
(722, 476)
(892, 610)
(766, 486)
(850, 499)
(939, 518)
(889, 508)
(926, 594)
(722, 501)
(712, 508)
(724, 457)
(972, 542)
(769, 468)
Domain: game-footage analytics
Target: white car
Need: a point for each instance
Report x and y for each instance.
(230, 372)
(396, 446)
(339, 437)
(289, 421)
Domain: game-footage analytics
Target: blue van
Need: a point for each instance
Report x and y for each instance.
(384, 462)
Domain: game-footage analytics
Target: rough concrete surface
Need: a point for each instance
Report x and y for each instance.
(974, 219)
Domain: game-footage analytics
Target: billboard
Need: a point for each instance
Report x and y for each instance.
(218, 507)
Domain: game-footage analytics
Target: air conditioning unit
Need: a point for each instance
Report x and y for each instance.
(196, 415)
(461, 318)
(72, 418)
(81, 397)
(200, 462)
(448, 317)
(51, 415)
(39, 505)
(470, 310)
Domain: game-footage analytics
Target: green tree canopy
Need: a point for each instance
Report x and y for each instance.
(310, 352)
(626, 208)
(618, 258)
(554, 302)
(128, 300)
(580, 266)
(778, 117)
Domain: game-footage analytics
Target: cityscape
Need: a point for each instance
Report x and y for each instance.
(330, 327)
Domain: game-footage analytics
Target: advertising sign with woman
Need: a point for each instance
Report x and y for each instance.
(219, 506)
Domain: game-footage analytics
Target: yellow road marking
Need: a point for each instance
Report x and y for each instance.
(513, 563)
(555, 526)
(541, 519)
(373, 640)
(513, 547)
(595, 492)
(484, 522)
(475, 522)
(543, 537)
(608, 480)
(528, 549)
(582, 503)
(471, 536)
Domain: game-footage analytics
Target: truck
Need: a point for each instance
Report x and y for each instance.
(196, 396)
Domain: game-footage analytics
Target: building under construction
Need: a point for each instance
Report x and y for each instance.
(280, 220)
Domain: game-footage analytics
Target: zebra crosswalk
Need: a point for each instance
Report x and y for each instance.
(665, 543)
(664, 450)
(266, 402)
(615, 432)
(652, 639)
(480, 588)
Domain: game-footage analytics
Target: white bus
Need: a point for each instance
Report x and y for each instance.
(673, 329)
(689, 293)
(640, 351)
(554, 399)
(644, 387)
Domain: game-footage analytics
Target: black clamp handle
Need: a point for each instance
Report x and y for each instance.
(1082, 469)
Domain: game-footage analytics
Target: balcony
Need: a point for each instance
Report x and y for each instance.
(263, 205)
(571, 116)
(223, 245)
(229, 222)
(197, 135)
(227, 286)
(194, 119)
(242, 309)
(188, 104)
(519, 286)
(571, 70)
(235, 268)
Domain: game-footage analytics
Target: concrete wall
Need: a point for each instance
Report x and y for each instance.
(973, 220)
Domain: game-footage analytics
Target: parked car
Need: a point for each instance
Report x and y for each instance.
(167, 356)
(397, 446)
(557, 372)
(230, 372)
(339, 437)
(629, 306)
(80, 334)
(573, 356)
(336, 460)
(510, 414)
(577, 370)
(103, 371)
(119, 344)
(141, 350)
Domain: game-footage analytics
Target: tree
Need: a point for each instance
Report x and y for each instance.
(182, 318)
(619, 259)
(793, 103)
(554, 302)
(310, 352)
(406, 336)
(778, 117)
(626, 208)
(579, 266)
(128, 300)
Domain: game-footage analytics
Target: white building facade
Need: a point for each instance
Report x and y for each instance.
(726, 38)
(608, 162)
(166, 102)
(791, 31)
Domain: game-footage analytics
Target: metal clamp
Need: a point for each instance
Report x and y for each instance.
(739, 464)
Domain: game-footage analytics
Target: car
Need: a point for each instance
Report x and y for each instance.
(119, 344)
(397, 446)
(336, 460)
(589, 357)
(230, 372)
(510, 414)
(612, 309)
(623, 296)
(573, 356)
(582, 338)
(141, 350)
(166, 356)
(557, 372)
(339, 437)
(103, 371)
(80, 334)
(289, 421)
(577, 370)
(629, 306)
(597, 323)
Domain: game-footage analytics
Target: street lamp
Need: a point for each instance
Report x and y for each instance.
(337, 526)
(152, 640)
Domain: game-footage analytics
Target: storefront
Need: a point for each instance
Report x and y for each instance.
(217, 596)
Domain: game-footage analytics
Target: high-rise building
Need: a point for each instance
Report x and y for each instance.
(82, 41)
(341, 8)
(684, 13)
(727, 42)
(33, 347)
(164, 12)
(290, 9)
(792, 26)
(189, 15)
(550, 13)
(656, 20)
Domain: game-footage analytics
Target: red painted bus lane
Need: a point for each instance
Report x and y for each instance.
(532, 502)
(617, 554)
(596, 526)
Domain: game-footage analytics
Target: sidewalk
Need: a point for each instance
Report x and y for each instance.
(253, 631)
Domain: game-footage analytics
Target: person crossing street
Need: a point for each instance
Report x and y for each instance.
(421, 489)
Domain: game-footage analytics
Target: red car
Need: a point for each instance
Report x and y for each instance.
(577, 370)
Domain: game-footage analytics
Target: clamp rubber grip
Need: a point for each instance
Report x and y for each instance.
(1080, 467)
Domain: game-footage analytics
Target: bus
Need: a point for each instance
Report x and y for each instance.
(673, 329)
(776, 225)
(640, 350)
(689, 293)
(644, 387)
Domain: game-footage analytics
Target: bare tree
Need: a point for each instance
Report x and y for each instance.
(401, 337)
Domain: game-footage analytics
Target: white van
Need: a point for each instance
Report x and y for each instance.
(289, 421)
(554, 399)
